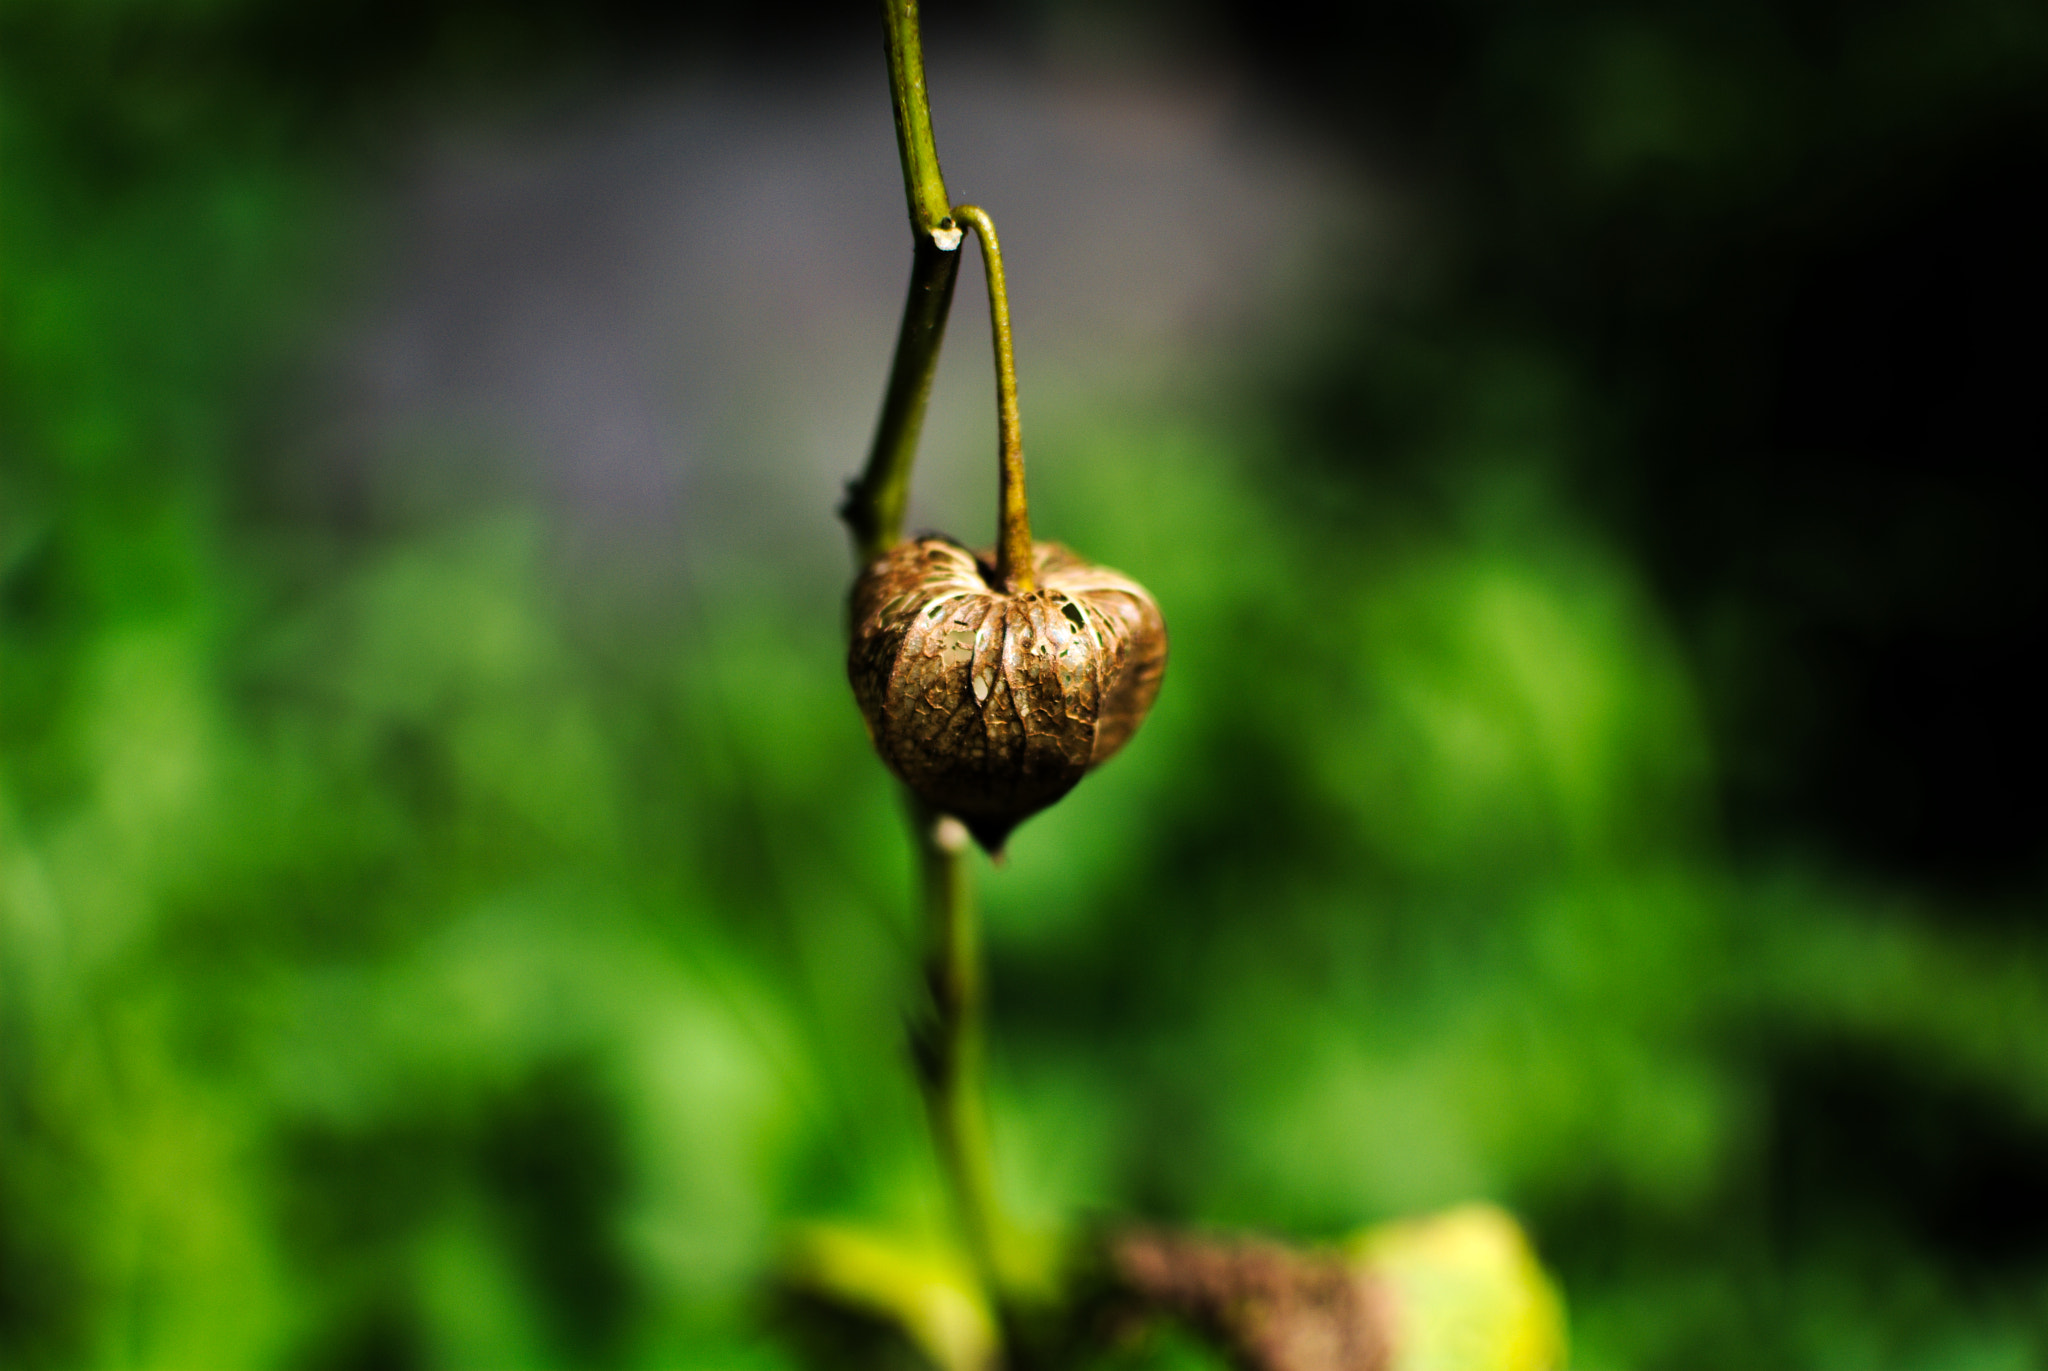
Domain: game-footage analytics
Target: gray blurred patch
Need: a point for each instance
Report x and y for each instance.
(674, 309)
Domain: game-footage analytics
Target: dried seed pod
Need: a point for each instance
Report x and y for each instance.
(991, 705)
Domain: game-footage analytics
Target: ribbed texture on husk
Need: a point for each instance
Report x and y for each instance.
(991, 706)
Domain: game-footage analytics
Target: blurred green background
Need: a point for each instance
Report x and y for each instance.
(1599, 769)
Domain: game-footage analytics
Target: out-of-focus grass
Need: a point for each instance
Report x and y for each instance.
(400, 967)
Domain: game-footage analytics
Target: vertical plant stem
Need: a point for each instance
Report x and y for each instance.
(1013, 524)
(875, 502)
(923, 185)
(949, 1042)
(946, 1035)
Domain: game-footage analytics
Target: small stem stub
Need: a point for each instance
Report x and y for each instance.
(1013, 524)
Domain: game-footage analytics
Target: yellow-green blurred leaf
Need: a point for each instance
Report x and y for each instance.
(1469, 1294)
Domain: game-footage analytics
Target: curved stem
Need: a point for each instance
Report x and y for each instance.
(1013, 534)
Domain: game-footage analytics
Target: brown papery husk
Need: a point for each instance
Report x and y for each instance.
(991, 705)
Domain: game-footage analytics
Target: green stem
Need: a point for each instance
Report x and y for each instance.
(875, 502)
(923, 185)
(1013, 529)
(947, 1035)
(949, 1042)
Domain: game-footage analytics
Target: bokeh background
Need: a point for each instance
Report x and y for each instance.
(1589, 455)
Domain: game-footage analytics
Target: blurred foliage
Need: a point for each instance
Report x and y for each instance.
(402, 966)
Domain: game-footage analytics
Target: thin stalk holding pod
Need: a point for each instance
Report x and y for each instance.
(1013, 522)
